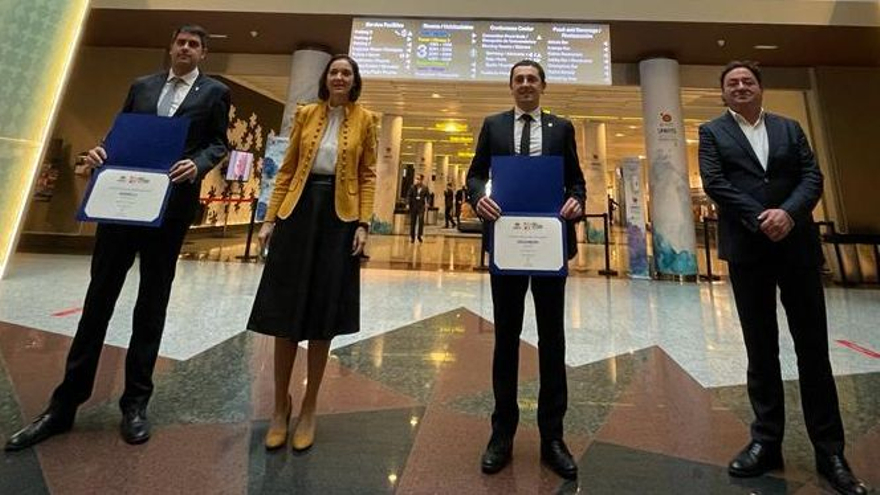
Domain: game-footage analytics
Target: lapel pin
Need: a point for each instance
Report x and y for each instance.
(550, 124)
(197, 88)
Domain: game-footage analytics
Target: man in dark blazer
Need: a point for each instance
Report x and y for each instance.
(449, 205)
(526, 130)
(417, 199)
(759, 168)
(181, 92)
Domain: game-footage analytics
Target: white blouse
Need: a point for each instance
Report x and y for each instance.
(325, 158)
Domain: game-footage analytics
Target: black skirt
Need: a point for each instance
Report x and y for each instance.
(310, 288)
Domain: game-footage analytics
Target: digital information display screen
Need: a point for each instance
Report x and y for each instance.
(480, 50)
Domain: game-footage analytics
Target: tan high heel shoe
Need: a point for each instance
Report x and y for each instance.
(277, 436)
(304, 433)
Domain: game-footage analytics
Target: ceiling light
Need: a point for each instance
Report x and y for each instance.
(766, 47)
(435, 95)
(633, 127)
(254, 34)
(218, 36)
(620, 134)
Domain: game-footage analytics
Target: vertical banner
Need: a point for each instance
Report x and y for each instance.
(387, 173)
(672, 220)
(636, 238)
(276, 147)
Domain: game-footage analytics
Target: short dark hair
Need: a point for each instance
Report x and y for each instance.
(192, 29)
(527, 63)
(742, 64)
(354, 93)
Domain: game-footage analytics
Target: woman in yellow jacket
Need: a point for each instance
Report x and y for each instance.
(316, 228)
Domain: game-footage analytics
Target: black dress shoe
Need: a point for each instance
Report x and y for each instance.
(498, 454)
(50, 423)
(756, 459)
(557, 457)
(836, 471)
(135, 427)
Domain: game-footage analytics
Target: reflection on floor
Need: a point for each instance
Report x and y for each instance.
(442, 249)
(404, 412)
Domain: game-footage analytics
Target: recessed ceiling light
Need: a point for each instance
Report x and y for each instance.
(254, 34)
(620, 134)
(435, 95)
(218, 36)
(766, 47)
(633, 127)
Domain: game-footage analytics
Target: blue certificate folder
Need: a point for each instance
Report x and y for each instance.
(140, 142)
(527, 186)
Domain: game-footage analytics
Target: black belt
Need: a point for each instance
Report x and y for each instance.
(322, 179)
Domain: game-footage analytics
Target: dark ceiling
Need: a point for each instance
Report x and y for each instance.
(689, 43)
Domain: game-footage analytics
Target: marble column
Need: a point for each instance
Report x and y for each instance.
(425, 164)
(593, 165)
(674, 237)
(387, 169)
(443, 172)
(305, 70)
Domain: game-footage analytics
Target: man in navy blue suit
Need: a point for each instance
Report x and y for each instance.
(183, 91)
(526, 130)
(759, 168)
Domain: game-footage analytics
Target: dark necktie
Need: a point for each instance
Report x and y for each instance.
(525, 141)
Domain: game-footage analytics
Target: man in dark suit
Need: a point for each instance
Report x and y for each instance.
(759, 168)
(460, 198)
(448, 205)
(181, 92)
(417, 198)
(525, 130)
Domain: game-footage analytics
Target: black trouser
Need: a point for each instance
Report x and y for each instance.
(115, 250)
(416, 216)
(508, 302)
(801, 292)
(447, 213)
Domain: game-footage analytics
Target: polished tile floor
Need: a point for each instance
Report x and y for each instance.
(656, 370)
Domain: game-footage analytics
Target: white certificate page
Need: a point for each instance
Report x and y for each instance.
(128, 195)
(529, 243)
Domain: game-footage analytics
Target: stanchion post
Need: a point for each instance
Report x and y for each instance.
(708, 250)
(608, 272)
(250, 235)
(482, 266)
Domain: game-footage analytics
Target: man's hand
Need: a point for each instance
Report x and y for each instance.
(775, 224)
(183, 170)
(488, 209)
(571, 210)
(359, 241)
(95, 157)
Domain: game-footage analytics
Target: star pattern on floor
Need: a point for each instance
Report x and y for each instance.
(404, 412)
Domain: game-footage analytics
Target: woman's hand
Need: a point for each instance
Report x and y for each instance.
(359, 241)
(265, 234)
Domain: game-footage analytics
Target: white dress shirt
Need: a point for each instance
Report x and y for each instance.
(756, 134)
(535, 138)
(325, 158)
(181, 91)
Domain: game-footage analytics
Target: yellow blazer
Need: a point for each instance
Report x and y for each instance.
(355, 162)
